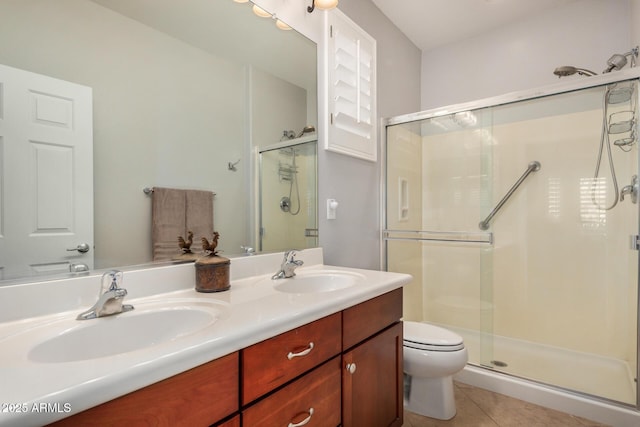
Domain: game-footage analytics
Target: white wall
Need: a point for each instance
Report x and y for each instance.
(524, 54)
(635, 21)
(276, 105)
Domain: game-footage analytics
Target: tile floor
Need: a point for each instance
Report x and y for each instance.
(481, 408)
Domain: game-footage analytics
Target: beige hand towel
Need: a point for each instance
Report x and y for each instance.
(199, 216)
(174, 212)
(168, 222)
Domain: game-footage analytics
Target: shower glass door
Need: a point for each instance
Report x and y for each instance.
(288, 196)
(548, 289)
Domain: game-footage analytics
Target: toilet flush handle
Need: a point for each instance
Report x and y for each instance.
(351, 368)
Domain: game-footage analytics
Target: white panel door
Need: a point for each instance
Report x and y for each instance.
(46, 175)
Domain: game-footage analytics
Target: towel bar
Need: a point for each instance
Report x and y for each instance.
(149, 190)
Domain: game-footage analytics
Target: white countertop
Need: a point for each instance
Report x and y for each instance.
(252, 311)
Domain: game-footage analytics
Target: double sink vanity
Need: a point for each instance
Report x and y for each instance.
(322, 346)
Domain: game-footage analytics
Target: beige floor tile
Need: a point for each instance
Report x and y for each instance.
(481, 408)
(508, 412)
(468, 415)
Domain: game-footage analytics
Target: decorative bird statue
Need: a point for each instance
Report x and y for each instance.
(210, 248)
(185, 245)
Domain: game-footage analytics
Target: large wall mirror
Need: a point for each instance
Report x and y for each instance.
(179, 94)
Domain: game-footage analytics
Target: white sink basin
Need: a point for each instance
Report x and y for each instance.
(146, 326)
(321, 281)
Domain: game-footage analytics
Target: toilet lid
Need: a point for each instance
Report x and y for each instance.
(429, 337)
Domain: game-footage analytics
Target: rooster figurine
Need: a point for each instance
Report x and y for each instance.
(185, 245)
(210, 248)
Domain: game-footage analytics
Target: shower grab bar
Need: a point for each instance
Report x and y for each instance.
(532, 167)
(439, 236)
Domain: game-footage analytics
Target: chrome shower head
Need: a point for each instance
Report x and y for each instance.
(616, 62)
(568, 70)
(619, 60)
(306, 129)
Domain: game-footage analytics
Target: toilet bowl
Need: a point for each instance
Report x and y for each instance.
(431, 356)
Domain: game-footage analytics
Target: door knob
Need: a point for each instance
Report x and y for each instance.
(83, 248)
(351, 368)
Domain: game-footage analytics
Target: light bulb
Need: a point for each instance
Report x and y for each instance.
(261, 12)
(326, 4)
(282, 25)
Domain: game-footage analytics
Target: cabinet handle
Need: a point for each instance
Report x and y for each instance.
(303, 422)
(291, 355)
(351, 368)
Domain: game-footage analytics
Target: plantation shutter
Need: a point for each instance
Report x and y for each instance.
(352, 89)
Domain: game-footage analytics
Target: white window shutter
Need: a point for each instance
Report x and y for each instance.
(352, 89)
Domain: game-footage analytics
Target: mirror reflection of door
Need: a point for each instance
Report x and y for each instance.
(288, 195)
(46, 174)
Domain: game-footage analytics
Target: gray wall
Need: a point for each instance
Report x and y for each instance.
(353, 238)
(523, 54)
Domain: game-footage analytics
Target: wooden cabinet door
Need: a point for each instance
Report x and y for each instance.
(198, 397)
(372, 381)
(233, 422)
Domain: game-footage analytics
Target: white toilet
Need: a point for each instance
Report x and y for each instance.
(431, 356)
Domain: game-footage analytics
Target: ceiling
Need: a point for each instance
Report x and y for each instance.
(432, 23)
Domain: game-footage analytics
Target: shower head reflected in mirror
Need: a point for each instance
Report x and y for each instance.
(306, 129)
(568, 70)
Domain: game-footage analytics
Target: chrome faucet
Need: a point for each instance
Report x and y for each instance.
(248, 250)
(288, 266)
(109, 299)
(631, 189)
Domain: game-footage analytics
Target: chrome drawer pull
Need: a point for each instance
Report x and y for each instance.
(302, 353)
(303, 422)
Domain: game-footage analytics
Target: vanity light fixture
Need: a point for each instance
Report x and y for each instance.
(322, 4)
(258, 11)
(261, 12)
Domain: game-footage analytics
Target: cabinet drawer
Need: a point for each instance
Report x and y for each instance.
(271, 363)
(365, 319)
(315, 396)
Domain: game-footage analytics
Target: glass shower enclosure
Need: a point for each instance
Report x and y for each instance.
(518, 218)
(288, 195)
